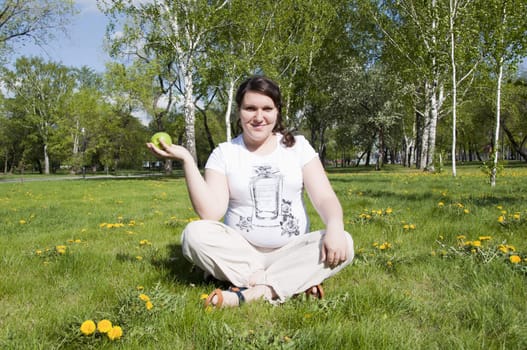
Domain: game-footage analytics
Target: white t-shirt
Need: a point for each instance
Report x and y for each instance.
(266, 192)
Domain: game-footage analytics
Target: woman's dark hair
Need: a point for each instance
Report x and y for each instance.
(269, 88)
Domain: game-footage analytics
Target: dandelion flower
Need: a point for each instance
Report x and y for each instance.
(485, 238)
(88, 327)
(104, 326)
(406, 227)
(203, 296)
(440, 204)
(144, 297)
(515, 259)
(476, 244)
(516, 216)
(389, 210)
(149, 305)
(115, 333)
(22, 222)
(466, 211)
(460, 237)
(501, 219)
(139, 257)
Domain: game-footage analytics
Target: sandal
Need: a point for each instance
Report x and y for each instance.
(219, 293)
(318, 294)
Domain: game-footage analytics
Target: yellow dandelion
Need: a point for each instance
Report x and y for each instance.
(440, 204)
(88, 327)
(501, 219)
(516, 216)
(104, 326)
(139, 258)
(144, 297)
(499, 207)
(38, 252)
(389, 210)
(461, 237)
(22, 222)
(485, 238)
(385, 246)
(203, 296)
(103, 225)
(476, 243)
(115, 333)
(466, 211)
(149, 305)
(503, 248)
(139, 287)
(412, 227)
(515, 259)
(406, 227)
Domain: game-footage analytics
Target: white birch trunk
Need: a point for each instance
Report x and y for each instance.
(190, 116)
(497, 131)
(46, 159)
(229, 109)
(454, 85)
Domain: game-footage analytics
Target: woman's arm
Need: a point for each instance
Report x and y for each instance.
(210, 194)
(326, 203)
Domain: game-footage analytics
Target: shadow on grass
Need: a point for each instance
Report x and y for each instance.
(177, 268)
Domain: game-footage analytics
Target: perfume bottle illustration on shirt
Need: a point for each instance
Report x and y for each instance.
(266, 190)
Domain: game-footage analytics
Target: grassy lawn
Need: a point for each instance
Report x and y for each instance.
(441, 263)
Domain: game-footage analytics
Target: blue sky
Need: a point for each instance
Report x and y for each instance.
(83, 43)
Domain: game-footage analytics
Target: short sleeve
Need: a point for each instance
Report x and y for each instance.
(305, 151)
(216, 161)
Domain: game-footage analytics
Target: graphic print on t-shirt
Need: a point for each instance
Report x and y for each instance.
(270, 209)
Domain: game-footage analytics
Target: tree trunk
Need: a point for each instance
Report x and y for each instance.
(517, 147)
(229, 109)
(46, 160)
(494, 169)
(190, 116)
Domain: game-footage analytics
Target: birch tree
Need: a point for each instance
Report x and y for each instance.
(504, 42)
(177, 33)
(42, 90)
(461, 27)
(414, 37)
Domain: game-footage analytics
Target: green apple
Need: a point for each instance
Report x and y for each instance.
(161, 136)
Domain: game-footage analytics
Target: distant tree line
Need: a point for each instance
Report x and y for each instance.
(368, 82)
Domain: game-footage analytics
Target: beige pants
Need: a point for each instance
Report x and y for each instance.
(225, 254)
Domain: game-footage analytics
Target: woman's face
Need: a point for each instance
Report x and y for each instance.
(258, 116)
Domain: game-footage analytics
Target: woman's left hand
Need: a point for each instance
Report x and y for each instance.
(334, 248)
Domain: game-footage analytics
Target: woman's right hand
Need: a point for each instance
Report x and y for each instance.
(170, 151)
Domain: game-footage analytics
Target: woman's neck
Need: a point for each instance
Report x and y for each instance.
(266, 147)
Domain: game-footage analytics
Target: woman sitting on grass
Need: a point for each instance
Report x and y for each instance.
(255, 182)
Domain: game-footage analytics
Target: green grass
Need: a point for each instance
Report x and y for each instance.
(415, 283)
